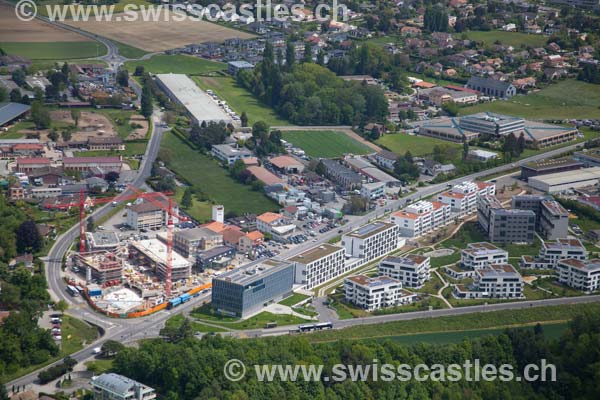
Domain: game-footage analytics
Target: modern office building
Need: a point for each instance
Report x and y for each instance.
(491, 124)
(229, 154)
(505, 226)
(494, 281)
(319, 265)
(482, 254)
(462, 198)
(375, 293)
(421, 218)
(112, 386)
(371, 241)
(580, 274)
(412, 270)
(247, 289)
(553, 251)
(552, 220)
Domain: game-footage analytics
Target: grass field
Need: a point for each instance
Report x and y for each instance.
(240, 100)
(459, 323)
(562, 100)
(54, 50)
(515, 39)
(207, 176)
(99, 366)
(176, 64)
(201, 211)
(325, 144)
(293, 299)
(418, 145)
(129, 51)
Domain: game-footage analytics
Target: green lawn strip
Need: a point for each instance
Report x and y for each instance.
(561, 100)
(206, 313)
(400, 143)
(128, 51)
(206, 175)
(99, 366)
(260, 320)
(176, 64)
(293, 299)
(197, 326)
(491, 319)
(515, 39)
(325, 144)
(240, 99)
(55, 50)
(557, 288)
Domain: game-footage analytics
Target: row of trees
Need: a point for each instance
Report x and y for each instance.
(182, 367)
(309, 94)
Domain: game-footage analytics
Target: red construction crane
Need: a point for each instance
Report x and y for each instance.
(170, 215)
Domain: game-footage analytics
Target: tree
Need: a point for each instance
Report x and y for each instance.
(186, 200)
(66, 135)
(139, 70)
(75, 115)
(321, 58)
(244, 119)
(465, 154)
(307, 52)
(146, 102)
(451, 108)
(111, 348)
(28, 237)
(356, 205)
(40, 116)
(4, 94)
(15, 95)
(3, 393)
(18, 77)
(290, 55)
(123, 78)
(321, 169)
(61, 306)
(112, 177)
(90, 224)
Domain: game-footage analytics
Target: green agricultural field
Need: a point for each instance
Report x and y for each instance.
(240, 99)
(515, 39)
(176, 64)
(208, 177)
(325, 144)
(562, 100)
(119, 7)
(55, 50)
(418, 145)
(128, 51)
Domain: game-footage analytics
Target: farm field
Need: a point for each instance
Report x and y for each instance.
(116, 8)
(54, 50)
(563, 100)
(515, 39)
(129, 51)
(418, 145)
(176, 64)
(162, 33)
(240, 99)
(325, 144)
(208, 177)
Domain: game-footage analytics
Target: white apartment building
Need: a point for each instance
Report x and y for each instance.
(482, 254)
(579, 274)
(412, 270)
(494, 281)
(375, 293)
(319, 265)
(421, 218)
(553, 251)
(462, 198)
(371, 241)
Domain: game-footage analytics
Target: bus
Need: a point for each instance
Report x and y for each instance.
(72, 290)
(315, 327)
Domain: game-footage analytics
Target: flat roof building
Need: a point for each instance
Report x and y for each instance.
(112, 386)
(555, 183)
(319, 265)
(412, 270)
(505, 226)
(247, 289)
(199, 105)
(229, 154)
(375, 293)
(371, 241)
(545, 167)
(580, 274)
(189, 241)
(482, 254)
(553, 251)
(154, 252)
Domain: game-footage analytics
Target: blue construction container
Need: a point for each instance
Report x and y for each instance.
(185, 297)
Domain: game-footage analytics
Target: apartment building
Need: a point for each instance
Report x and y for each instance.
(371, 241)
(319, 265)
(482, 254)
(266, 221)
(112, 386)
(462, 198)
(505, 226)
(580, 274)
(553, 251)
(493, 281)
(245, 290)
(552, 218)
(150, 215)
(421, 218)
(375, 293)
(412, 270)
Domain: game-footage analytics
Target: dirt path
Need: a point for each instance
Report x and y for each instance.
(339, 128)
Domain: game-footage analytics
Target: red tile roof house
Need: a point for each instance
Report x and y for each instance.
(27, 164)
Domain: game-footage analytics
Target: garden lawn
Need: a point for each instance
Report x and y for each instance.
(562, 100)
(515, 39)
(55, 50)
(400, 143)
(293, 299)
(201, 211)
(206, 175)
(325, 144)
(176, 64)
(240, 99)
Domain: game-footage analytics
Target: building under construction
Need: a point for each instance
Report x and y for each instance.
(101, 267)
(154, 253)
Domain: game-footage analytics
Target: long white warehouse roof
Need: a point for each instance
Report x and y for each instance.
(562, 178)
(199, 104)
